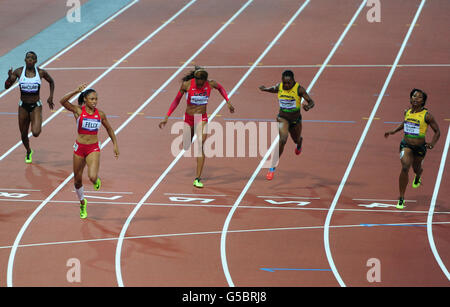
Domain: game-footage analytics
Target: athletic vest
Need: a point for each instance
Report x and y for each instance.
(87, 123)
(414, 125)
(198, 96)
(289, 100)
(30, 86)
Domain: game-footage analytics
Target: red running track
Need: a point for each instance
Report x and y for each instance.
(173, 243)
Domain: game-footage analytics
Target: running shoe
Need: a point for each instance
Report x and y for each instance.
(83, 210)
(97, 184)
(298, 148)
(270, 173)
(416, 182)
(29, 157)
(197, 183)
(400, 203)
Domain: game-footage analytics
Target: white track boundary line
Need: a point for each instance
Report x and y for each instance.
(117, 203)
(82, 38)
(433, 204)
(326, 234)
(248, 66)
(9, 274)
(216, 232)
(150, 191)
(275, 142)
(111, 68)
(161, 177)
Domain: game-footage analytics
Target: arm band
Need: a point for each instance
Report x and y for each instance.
(175, 103)
(222, 92)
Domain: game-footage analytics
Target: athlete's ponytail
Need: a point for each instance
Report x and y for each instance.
(84, 94)
(190, 75)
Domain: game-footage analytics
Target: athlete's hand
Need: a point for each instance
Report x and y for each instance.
(163, 123)
(230, 107)
(81, 88)
(116, 151)
(387, 133)
(262, 87)
(50, 102)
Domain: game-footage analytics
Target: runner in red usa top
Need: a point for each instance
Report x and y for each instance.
(86, 147)
(197, 88)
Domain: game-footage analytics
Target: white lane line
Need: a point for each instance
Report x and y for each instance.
(290, 197)
(275, 142)
(393, 200)
(82, 38)
(158, 181)
(214, 232)
(150, 191)
(24, 190)
(433, 204)
(182, 194)
(70, 202)
(247, 66)
(9, 274)
(107, 72)
(326, 232)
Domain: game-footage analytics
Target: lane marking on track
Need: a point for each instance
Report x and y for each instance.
(433, 204)
(111, 68)
(237, 231)
(70, 202)
(358, 147)
(9, 273)
(153, 187)
(275, 142)
(248, 66)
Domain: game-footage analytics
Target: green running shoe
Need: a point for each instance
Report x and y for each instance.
(97, 184)
(29, 157)
(400, 203)
(83, 211)
(197, 183)
(416, 182)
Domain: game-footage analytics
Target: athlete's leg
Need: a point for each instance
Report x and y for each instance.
(24, 126)
(36, 121)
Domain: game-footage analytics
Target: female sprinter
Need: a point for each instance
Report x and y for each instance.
(86, 147)
(198, 89)
(413, 146)
(30, 106)
(289, 117)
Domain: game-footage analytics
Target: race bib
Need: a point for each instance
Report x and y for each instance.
(29, 87)
(199, 100)
(91, 124)
(287, 104)
(411, 128)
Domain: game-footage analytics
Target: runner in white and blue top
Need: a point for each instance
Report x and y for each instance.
(30, 106)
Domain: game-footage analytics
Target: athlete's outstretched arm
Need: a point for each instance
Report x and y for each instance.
(302, 93)
(76, 110)
(272, 89)
(222, 92)
(110, 131)
(183, 89)
(12, 77)
(429, 119)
